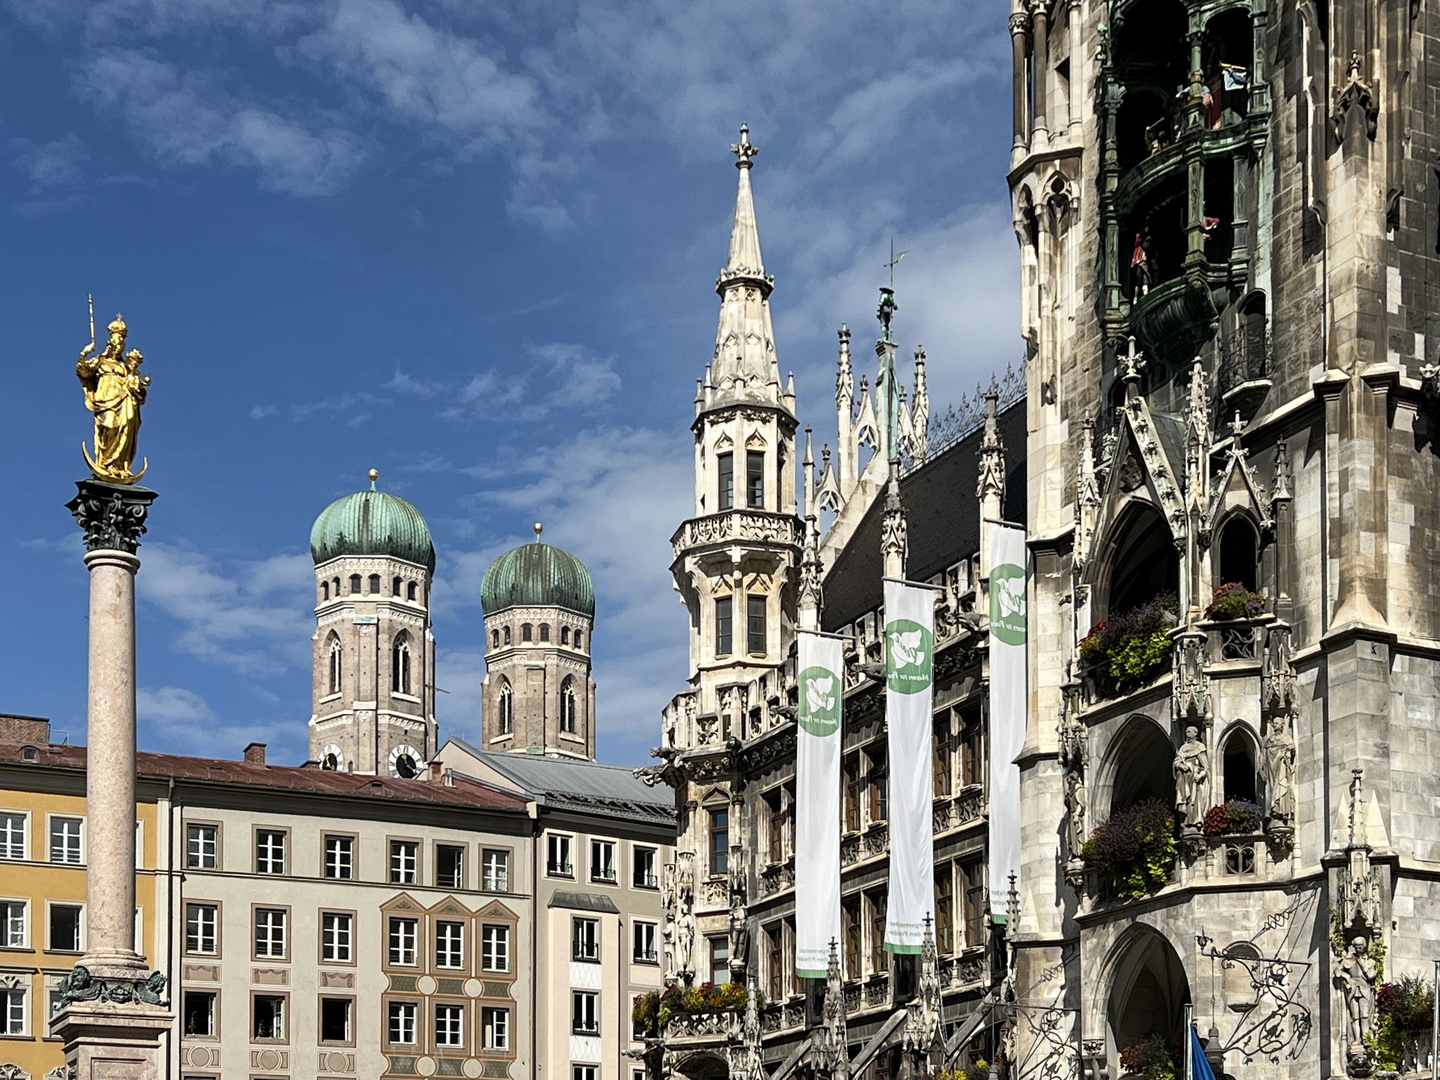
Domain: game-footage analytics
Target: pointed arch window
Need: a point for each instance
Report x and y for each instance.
(505, 708)
(336, 668)
(1239, 552)
(400, 664)
(1239, 770)
(568, 707)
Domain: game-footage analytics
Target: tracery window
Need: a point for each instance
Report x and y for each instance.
(505, 701)
(336, 669)
(568, 709)
(400, 664)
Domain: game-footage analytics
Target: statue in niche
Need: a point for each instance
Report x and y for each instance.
(1355, 976)
(1279, 750)
(1075, 811)
(1192, 774)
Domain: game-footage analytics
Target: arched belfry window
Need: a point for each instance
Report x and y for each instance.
(1239, 552)
(325, 590)
(395, 587)
(578, 636)
(400, 664)
(354, 584)
(1239, 766)
(568, 707)
(544, 631)
(336, 671)
(507, 635)
(565, 635)
(410, 591)
(494, 639)
(374, 584)
(505, 709)
(527, 632)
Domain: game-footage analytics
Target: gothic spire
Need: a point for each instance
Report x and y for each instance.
(744, 367)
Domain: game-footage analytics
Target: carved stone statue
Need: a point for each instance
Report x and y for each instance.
(1279, 752)
(114, 392)
(1075, 811)
(1355, 976)
(685, 943)
(1192, 774)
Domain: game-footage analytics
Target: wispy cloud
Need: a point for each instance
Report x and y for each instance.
(181, 721)
(251, 617)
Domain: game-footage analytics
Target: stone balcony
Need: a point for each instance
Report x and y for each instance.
(751, 526)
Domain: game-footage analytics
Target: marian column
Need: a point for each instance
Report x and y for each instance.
(114, 1008)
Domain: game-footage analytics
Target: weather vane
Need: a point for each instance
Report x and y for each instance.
(114, 392)
(895, 258)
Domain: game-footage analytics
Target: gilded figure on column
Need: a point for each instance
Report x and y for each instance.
(114, 392)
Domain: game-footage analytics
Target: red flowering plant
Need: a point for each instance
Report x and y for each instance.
(1234, 601)
(1234, 817)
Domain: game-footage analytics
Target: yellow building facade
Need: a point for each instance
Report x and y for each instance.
(43, 838)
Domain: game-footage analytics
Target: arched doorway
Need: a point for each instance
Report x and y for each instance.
(1148, 995)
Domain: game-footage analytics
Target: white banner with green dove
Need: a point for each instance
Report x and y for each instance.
(1008, 697)
(820, 659)
(909, 670)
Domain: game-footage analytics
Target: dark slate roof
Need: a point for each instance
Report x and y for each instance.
(585, 786)
(278, 778)
(943, 515)
(582, 901)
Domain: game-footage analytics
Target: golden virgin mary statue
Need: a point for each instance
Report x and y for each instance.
(114, 392)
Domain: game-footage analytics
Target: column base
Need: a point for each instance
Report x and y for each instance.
(106, 1041)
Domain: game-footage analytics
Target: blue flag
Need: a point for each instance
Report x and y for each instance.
(1199, 1063)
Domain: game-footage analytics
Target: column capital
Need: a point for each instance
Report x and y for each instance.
(112, 515)
(1019, 23)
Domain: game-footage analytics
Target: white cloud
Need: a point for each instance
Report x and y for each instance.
(181, 721)
(251, 617)
(55, 164)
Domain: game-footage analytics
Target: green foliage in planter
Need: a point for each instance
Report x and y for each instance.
(1237, 817)
(1151, 1057)
(1233, 601)
(652, 1011)
(1405, 1011)
(1135, 850)
(1128, 649)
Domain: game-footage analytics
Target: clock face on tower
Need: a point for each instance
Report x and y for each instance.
(406, 762)
(332, 759)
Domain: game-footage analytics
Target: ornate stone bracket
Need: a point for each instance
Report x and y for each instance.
(112, 515)
(1356, 94)
(80, 985)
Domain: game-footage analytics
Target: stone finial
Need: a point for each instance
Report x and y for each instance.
(744, 150)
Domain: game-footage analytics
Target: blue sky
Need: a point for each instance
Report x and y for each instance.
(473, 246)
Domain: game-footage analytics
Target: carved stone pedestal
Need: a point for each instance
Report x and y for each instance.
(106, 1041)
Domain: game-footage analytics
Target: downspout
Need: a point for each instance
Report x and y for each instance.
(534, 811)
(170, 920)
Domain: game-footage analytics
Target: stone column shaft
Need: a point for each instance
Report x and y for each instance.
(110, 767)
(1019, 26)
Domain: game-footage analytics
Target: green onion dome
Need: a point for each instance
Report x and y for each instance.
(537, 575)
(372, 523)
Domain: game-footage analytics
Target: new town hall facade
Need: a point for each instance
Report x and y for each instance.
(1225, 458)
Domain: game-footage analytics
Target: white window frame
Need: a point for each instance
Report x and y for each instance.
(584, 1072)
(195, 855)
(449, 1025)
(15, 930)
(50, 924)
(78, 844)
(647, 933)
(584, 939)
(337, 937)
(265, 857)
(282, 1018)
(9, 835)
(555, 843)
(584, 1012)
(402, 1016)
(337, 863)
(495, 870)
(494, 1028)
(449, 944)
(200, 934)
(652, 880)
(404, 862)
(17, 1011)
(495, 947)
(273, 928)
(602, 861)
(408, 938)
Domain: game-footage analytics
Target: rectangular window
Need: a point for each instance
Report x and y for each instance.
(449, 1025)
(972, 753)
(400, 1026)
(557, 856)
(335, 1020)
(944, 911)
(879, 789)
(584, 1012)
(12, 836)
(402, 941)
(404, 861)
(270, 932)
(584, 939)
(13, 912)
(774, 827)
(495, 870)
(879, 958)
(65, 840)
(774, 962)
(340, 857)
(602, 860)
(269, 1018)
(584, 1072)
(755, 624)
(720, 959)
(852, 794)
(645, 933)
(726, 462)
(494, 948)
(755, 480)
(495, 1029)
(269, 851)
(198, 1014)
(449, 944)
(719, 841)
(974, 882)
(944, 780)
(14, 1012)
(449, 866)
(202, 847)
(724, 626)
(201, 921)
(65, 927)
(645, 875)
(336, 930)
